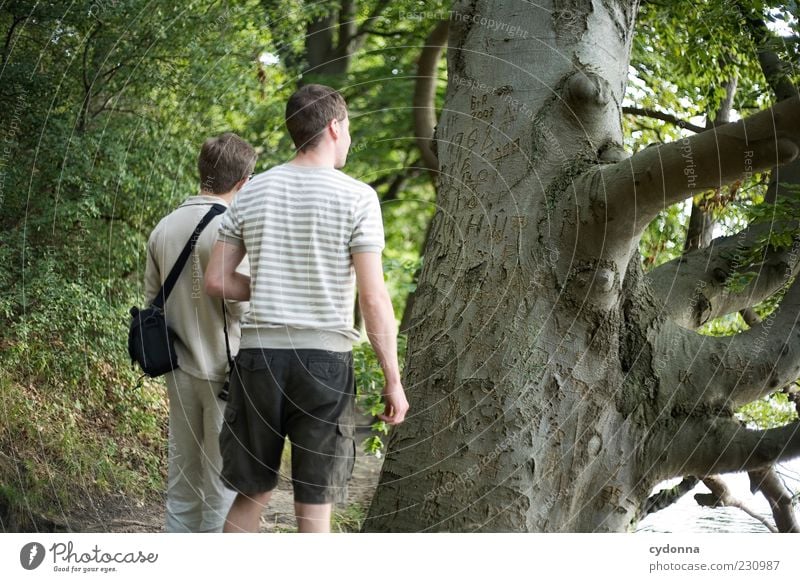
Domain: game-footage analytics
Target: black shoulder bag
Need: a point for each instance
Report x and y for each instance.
(151, 343)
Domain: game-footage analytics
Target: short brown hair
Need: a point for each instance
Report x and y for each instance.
(309, 110)
(224, 160)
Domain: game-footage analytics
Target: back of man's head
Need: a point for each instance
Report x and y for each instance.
(309, 111)
(224, 161)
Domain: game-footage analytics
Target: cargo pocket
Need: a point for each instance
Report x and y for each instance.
(229, 415)
(345, 455)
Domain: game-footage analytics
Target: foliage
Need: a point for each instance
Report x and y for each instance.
(369, 384)
(106, 108)
(348, 519)
(769, 412)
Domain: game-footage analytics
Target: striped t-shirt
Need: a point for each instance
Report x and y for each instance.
(299, 226)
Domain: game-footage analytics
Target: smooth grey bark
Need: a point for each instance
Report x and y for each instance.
(548, 389)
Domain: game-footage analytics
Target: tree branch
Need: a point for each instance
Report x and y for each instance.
(384, 33)
(16, 21)
(424, 100)
(706, 375)
(637, 189)
(661, 116)
(696, 287)
(778, 497)
(771, 64)
(364, 29)
(707, 445)
(774, 71)
(701, 223)
(721, 496)
(667, 497)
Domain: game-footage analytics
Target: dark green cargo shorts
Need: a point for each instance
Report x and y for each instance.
(307, 395)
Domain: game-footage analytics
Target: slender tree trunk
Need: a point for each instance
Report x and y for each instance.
(701, 222)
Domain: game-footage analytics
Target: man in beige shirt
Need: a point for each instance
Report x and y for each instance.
(196, 499)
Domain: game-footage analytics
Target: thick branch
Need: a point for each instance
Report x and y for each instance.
(637, 189)
(701, 373)
(696, 287)
(721, 496)
(703, 446)
(771, 64)
(661, 116)
(778, 497)
(667, 497)
(424, 102)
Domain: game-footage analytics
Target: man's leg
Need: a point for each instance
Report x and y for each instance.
(245, 513)
(218, 498)
(251, 440)
(313, 517)
(184, 468)
(320, 416)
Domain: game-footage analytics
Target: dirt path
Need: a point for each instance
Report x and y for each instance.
(120, 515)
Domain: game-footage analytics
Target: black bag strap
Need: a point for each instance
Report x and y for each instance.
(227, 341)
(224, 393)
(180, 263)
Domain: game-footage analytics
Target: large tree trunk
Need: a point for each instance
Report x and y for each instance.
(549, 391)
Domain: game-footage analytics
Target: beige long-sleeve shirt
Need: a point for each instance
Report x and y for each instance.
(196, 318)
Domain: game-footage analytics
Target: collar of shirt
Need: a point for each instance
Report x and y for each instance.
(204, 199)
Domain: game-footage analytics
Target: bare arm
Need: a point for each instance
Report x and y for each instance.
(222, 279)
(376, 308)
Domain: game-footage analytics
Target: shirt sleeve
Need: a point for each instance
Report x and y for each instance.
(367, 234)
(230, 229)
(238, 308)
(152, 275)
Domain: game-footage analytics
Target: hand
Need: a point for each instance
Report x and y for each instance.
(396, 405)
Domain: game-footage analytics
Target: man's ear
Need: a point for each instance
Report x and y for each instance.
(333, 127)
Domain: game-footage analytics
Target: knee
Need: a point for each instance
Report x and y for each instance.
(253, 499)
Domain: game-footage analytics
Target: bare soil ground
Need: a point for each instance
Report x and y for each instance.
(122, 515)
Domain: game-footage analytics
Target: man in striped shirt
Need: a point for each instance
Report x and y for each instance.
(311, 234)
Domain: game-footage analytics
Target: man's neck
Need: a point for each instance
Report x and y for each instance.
(316, 158)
